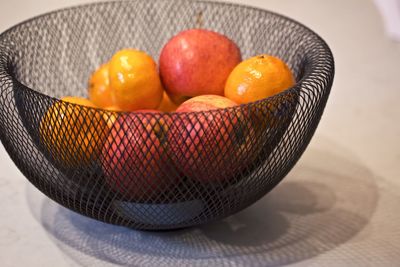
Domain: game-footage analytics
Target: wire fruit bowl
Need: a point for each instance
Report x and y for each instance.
(157, 173)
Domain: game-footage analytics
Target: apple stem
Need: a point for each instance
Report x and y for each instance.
(199, 20)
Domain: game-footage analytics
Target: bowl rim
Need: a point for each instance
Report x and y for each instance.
(305, 79)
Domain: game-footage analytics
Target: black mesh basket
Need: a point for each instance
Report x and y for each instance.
(161, 171)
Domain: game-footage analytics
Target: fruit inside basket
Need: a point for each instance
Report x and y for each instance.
(160, 115)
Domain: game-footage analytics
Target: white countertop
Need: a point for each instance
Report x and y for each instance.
(339, 206)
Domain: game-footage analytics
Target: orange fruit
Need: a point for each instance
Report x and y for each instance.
(166, 104)
(134, 80)
(111, 117)
(113, 108)
(257, 78)
(73, 135)
(100, 92)
(78, 101)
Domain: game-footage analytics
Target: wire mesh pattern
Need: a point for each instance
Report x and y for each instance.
(153, 170)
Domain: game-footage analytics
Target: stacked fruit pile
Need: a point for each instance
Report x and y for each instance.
(199, 70)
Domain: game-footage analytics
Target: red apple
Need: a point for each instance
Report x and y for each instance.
(197, 62)
(208, 146)
(134, 159)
